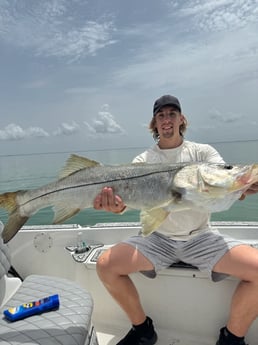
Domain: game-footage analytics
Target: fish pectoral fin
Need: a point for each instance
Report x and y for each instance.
(180, 206)
(75, 163)
(151, 219)
(63, 212)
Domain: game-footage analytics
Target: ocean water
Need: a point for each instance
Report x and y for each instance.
(19, 172)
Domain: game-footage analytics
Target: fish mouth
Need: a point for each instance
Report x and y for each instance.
(246, 179)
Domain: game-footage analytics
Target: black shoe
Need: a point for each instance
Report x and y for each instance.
(140, 337)
(221, 342)
(223, 339)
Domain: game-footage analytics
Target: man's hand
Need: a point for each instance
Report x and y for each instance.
(251, 190)
(108, 201)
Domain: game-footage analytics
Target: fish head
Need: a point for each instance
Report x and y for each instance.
(214, 180)
(228, 177)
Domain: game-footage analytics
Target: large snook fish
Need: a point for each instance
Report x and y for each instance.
(155, 189)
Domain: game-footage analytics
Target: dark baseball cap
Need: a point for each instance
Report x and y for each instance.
(165, 100)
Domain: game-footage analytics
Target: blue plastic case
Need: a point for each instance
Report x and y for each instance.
(32, 308)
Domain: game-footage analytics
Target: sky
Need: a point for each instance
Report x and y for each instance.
(83, 75)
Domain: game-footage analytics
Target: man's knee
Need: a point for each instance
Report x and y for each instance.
(103, 265)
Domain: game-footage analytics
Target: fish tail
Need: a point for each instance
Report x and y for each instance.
(8, 201)
(15, 220)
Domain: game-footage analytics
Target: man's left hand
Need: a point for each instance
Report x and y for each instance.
(251, 190)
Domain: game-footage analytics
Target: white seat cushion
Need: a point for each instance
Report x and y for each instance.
(69, 325)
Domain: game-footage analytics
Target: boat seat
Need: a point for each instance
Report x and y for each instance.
(182, 264)
(70, 324)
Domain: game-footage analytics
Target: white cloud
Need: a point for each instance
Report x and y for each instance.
(16, 132)
(204, 43)
(54, 28)
(203, 51)
(104, 123)
(67, 129)
(220, 117)
(192, 62)
(77, 43)
(217, 15)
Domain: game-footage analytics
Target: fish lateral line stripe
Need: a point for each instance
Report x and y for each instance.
(98, 183)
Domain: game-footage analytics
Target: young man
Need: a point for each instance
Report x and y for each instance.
(217, 256)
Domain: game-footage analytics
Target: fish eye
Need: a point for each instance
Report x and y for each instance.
(228, 167)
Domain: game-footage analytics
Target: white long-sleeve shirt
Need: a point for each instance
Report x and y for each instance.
(182, 225)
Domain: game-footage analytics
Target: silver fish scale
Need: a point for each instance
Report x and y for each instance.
(140, 186)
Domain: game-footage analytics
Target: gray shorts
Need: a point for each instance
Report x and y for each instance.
(203, 251)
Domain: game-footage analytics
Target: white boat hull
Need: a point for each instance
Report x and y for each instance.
(186, 307)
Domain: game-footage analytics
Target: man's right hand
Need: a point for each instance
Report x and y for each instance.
(109, 201)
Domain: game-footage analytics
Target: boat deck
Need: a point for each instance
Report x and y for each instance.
(111, 336)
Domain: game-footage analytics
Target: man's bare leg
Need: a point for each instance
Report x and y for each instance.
(113, 268)
(242, 262)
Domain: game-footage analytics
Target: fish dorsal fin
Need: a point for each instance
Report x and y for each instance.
(75, 163)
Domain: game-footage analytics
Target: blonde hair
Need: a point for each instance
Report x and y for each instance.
(154, 131)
